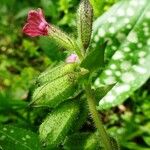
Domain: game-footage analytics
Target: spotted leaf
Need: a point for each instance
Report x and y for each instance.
(129, 66)
(18, 139)
(116, 24)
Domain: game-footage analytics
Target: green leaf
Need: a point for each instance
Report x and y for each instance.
(134, 146)
(81, 141)
(95, 59)
(114, 144)
(116, 23)
(129, 66)
(58, 124)
(18, 139)
(147, 140)
(7, 102)
(98, 6)
(100, 92)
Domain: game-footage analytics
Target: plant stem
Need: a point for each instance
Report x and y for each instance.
(104, 138)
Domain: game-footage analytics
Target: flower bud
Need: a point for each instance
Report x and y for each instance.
(84, 23)
(53, 93)
(72, 58)
(53, 73)
(58, 124)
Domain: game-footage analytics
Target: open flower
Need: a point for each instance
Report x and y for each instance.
(72, 58)
(36, 24)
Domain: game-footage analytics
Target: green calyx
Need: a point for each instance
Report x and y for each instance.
(61, 38)
(58, 124)
(51, 74)
(84, 23)
(57, 84)
(53, 93)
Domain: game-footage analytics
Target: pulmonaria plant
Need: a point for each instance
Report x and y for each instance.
(64, 87)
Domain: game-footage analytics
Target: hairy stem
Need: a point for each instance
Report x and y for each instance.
(104, 138)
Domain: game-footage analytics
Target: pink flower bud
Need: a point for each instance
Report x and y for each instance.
(72, 58)
(36, 24)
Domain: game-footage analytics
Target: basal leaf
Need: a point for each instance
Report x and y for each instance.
(129, 66)
(18, 139)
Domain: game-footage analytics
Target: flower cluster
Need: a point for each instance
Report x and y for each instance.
(37, 26)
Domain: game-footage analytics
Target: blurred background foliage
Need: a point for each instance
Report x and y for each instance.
(22, 58)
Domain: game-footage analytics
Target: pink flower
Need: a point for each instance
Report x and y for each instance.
(72, 58)
(36, 24)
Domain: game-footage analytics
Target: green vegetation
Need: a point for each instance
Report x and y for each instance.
(118, 61)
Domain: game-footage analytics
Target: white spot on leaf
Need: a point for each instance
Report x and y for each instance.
(141, 53)
(97, 82)
(96, 38)
(113, 47)
(118, 73)
(127, 77)
(129, 26)
(109, 98)
(108, 72)
(126, 20)
(141, 61)
(148, 42)
(125, 65)
(118, 55)
(122, 88)
(127, 49)
(134, 3)
(112, 30)
(130, 12)
(101, 32)
(148, 15)
(139, 69)
(112, 20)
(113, 66)
(120, 12)
(109, 80)
(139, 45)
(132, 37)
(121, 37)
